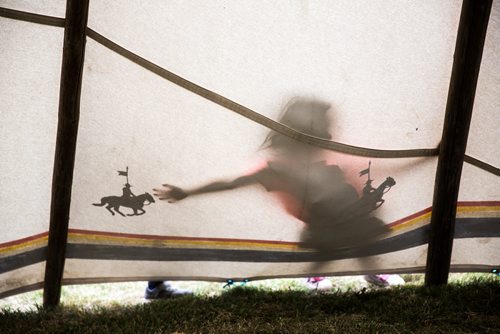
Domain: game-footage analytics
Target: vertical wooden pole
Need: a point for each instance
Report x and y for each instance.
(466, 64)
(64, 160)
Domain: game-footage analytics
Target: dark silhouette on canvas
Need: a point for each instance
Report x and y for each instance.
(373, 195)
(113, 204)
(127, 192)
(128, 199)
(335, 216)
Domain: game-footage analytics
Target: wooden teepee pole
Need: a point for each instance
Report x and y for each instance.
(64, 160)
(466, 64)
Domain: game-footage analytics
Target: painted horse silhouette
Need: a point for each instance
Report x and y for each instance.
(136, 203)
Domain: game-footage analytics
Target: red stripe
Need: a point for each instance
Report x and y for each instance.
(159, 237)
(162, 237)
(478, 203)
(410, 217)
(429, 209)
(20, 241)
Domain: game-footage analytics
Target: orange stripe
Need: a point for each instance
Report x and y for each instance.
(160, 237)
(413, 220)
(490, 206)
(478, 208)
(18, 241)
(479, 203)
(410, 217)
(28, 244)
(166, 242)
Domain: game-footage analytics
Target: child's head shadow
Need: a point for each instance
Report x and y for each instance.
(308, 116)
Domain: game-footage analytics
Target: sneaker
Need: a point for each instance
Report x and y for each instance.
(395, 280)
(384, 280)
(165, 290)
(319, 283)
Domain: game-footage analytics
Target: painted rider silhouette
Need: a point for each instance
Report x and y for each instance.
(127, 193)
(368, 189)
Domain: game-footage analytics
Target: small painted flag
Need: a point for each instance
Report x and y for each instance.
(122, 173)
(364, 172)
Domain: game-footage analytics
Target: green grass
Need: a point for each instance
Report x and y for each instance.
(469, 305)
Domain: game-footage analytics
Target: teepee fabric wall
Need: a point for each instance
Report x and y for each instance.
(30, 68)
(186, 92)
(479, 190)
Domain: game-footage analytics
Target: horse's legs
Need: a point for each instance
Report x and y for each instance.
(132, 214)
(117, 210)
(109, 209)
(142, 212)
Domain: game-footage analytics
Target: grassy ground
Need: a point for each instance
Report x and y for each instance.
(469, 305)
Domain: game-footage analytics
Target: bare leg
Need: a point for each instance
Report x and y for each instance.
(317, 267)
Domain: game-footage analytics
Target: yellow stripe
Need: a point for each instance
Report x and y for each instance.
(478, 208)
(177, 243)
(30, 243)
(412, 222)
(462, 211)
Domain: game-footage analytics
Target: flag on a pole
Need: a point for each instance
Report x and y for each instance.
(364, 172)
(124, 173)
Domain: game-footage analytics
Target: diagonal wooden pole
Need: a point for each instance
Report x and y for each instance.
(64, 160)
(466, 64)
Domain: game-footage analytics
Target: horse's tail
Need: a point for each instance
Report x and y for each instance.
(100, 204)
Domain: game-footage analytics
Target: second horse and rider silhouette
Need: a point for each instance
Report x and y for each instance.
(313, 189)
